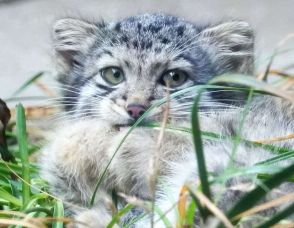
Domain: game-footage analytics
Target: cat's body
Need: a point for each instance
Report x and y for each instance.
(113, 72)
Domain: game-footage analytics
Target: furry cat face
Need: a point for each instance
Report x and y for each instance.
(115, 71)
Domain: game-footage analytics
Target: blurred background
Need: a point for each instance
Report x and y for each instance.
(25, 27)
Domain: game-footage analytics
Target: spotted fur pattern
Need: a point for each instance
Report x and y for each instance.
(144, 47)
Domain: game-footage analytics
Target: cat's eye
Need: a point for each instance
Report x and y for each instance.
(112, 75)
(173, 78)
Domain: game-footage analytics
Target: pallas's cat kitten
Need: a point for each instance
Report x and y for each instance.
(111, 73)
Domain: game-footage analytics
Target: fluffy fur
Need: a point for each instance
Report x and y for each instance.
(145, 47)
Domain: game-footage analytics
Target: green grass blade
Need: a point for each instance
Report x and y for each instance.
(39, 209)
(33, 205)
(254, 196)
(134, 220)
(23, 150)
(58, 212)
(215, 136)
(278, 217)
(27, 83)
(162, 217)
(252, 82)
(115, 218)
(203, 176)
(238, 137)
(4, 168)
(267, 176)
(10, 198)
(190, 217)
(197, 202)
(250, 171)
(278, 158)
(111, 159)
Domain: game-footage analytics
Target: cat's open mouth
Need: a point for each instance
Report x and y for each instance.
(131, 123)
(122, 125)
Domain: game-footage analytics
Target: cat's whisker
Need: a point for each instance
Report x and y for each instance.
(62, 89)
(208, 99)
(226, 100)
(179, 107)
(85, 115)
(205, 93)
(61, 86)
(74, 112)
(203, 105)
(61, 99)
(187, 96)
(62, 104)
(99, 98)
(68, 100)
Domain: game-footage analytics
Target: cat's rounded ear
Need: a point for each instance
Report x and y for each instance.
(72, 37)
(231, 45)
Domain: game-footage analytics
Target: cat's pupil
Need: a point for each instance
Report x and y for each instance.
(175, 77)
(116, 73)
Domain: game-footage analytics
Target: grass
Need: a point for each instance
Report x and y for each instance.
(23, 151)
(197, 138)
(22, 192)
(25, 201)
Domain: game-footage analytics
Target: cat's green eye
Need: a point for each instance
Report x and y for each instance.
(174, 78)
(112, 75)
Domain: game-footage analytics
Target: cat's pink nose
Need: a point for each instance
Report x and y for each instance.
(136, 110)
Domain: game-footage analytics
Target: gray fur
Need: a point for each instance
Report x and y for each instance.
(144, 47)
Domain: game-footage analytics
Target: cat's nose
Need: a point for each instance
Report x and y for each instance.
(136, 110)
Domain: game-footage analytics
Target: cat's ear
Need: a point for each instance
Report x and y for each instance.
(72, 37)
(231, 45)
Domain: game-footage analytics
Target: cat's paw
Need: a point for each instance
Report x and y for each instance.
(93, 218)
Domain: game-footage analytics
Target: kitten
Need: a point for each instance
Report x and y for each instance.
(111, 73)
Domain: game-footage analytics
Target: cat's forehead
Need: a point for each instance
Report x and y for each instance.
(146, 42)
(153, 23)
(148, 30)
(139, 61)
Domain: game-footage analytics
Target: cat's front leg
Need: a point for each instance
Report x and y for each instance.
(128, 172)
(145, 156)
(98, 216)
(73, 162)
